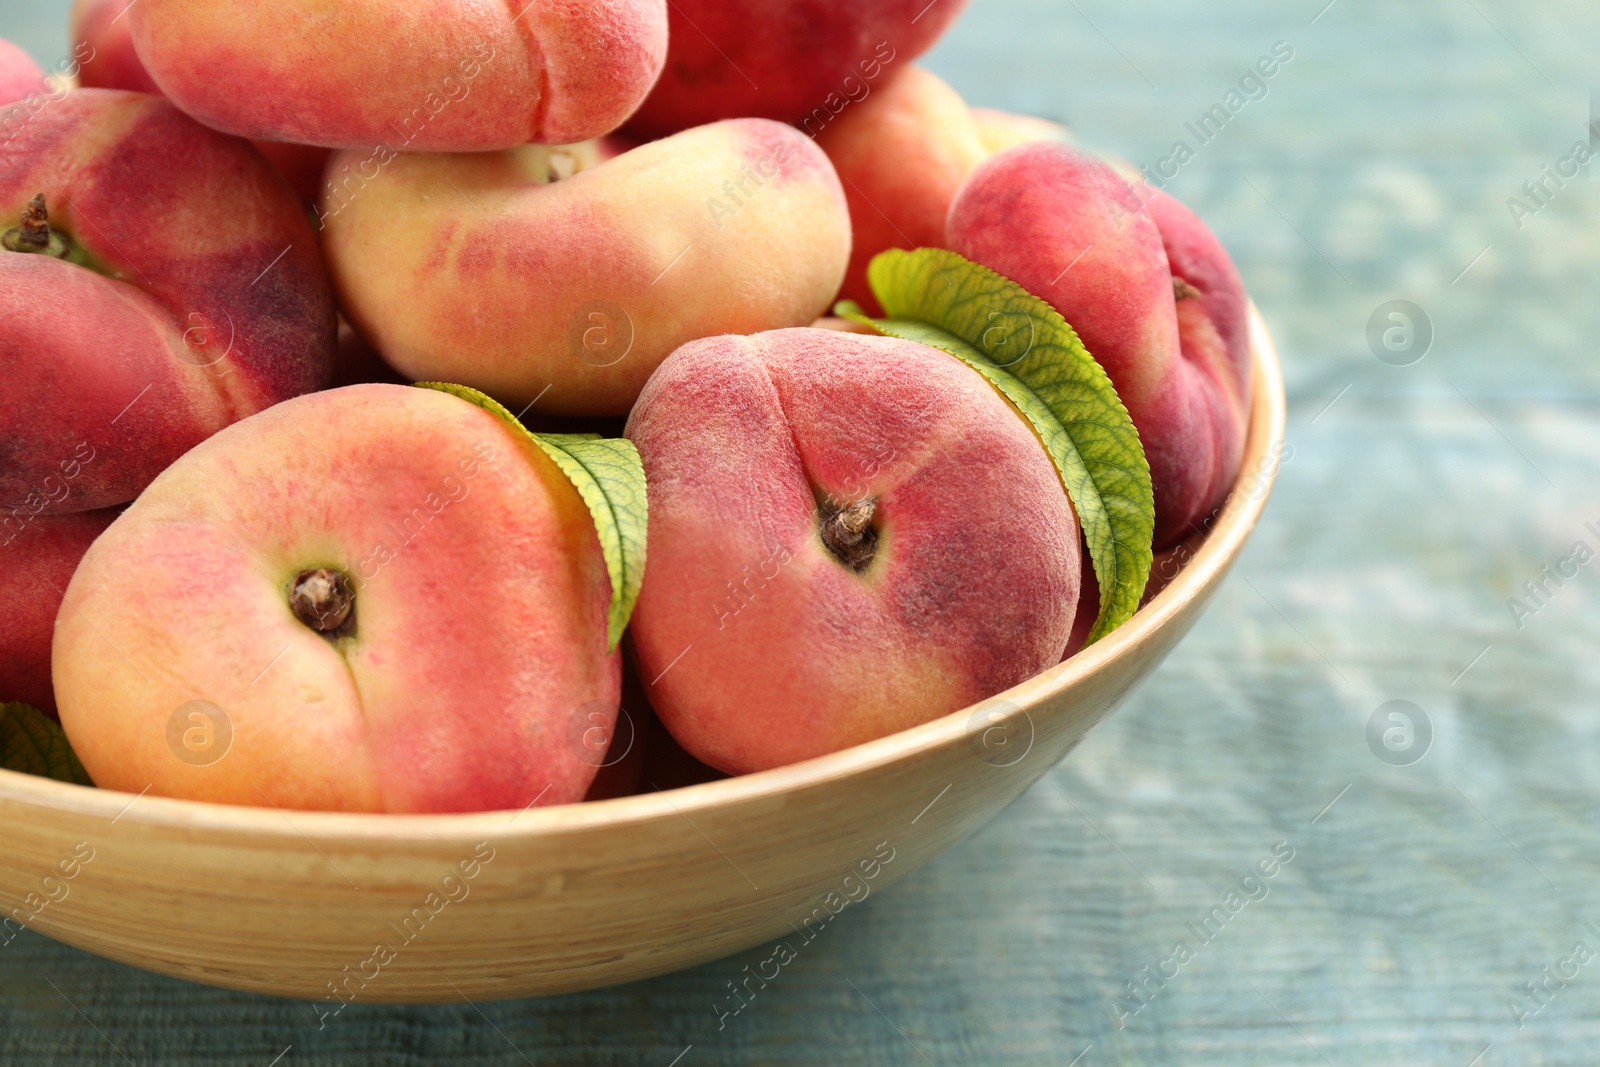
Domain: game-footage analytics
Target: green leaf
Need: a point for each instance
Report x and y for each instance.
(609, 476)
(1029, 352)
(33, 743)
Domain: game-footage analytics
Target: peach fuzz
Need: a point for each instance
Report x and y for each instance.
(789, 60)
(203, 298)
(37, 558)
(901, 155)
(474, 652)
(473, 269)
(769, 637)
(1066, 227)
(453, 75)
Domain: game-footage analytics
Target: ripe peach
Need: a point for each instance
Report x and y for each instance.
(457, 75)
(901, 154)
(37, 558)
(102, 33)
(19, 74)
(473, 269)
(1063, 225)
(1213, 328)
(189, 296)
(384, 598)
(849, 536)
(112, 62)
(904, 153)
(783, 59)
(1218, 319)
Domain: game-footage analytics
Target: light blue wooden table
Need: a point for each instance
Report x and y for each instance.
(1419, 498)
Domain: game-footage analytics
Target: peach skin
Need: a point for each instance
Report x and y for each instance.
(901, 155)
(453, 75)
(37, 559)
(478, 269)
(999, 130)
(101, 31)
(797, 61)
(1066, 227)
(113, 63)
(378, 598)
(1213, 328)
(143, 305)
(902, 152)
(849, 536)
(301, 165)
(19, 74)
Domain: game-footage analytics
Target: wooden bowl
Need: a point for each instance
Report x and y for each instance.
(410, 909)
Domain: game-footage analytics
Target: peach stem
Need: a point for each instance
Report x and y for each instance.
(34, 234)
(323, 600)
(847, 533)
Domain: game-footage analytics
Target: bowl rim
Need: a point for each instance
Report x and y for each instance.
(1215, 554)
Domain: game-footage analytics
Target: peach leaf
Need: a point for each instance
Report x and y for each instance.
(1035, 359)
(609, 476)
(33, 743)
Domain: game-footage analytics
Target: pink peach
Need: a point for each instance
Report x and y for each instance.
(1063, 225)
(19, 74)
(454, 75)
(455, 669)
(901, 155)
(37, 559)
(190, 296)
(902, 151)
(848, 536)
(104, 35)
(1213, 325)
(790, 60)
(485, 269)
(111, 62)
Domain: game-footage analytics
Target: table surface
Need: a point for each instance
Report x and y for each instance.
(1414, 503)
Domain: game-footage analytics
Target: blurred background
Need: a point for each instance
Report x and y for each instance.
(1425, 480)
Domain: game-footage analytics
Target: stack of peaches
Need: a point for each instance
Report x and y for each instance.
(408, 406)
